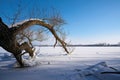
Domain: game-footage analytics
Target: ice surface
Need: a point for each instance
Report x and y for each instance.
(85, 63)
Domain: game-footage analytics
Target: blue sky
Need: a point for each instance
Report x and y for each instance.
(88, 21)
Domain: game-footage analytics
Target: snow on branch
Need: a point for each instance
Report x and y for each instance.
(24, 21)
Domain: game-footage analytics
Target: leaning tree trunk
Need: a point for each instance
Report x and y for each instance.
(9, 43)
(8, 38)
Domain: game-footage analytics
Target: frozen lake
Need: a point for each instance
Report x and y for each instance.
(84, 51)
(110, 52)
(52, 64)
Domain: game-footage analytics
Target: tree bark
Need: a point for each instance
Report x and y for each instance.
(9, 43)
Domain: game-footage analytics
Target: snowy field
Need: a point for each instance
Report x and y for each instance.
(85, 63)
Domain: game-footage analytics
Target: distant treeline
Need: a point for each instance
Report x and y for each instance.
(114, 45)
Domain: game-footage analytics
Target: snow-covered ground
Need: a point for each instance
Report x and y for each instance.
(85, 63)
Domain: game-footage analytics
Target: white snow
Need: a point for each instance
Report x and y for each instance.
(20, 23)
(85, 63)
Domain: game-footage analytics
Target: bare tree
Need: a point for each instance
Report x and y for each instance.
(13, 38)
(9, 42)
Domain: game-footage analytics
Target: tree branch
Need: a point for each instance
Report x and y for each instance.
(27, 23)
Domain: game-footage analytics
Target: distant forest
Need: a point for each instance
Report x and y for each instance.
(86, 45)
